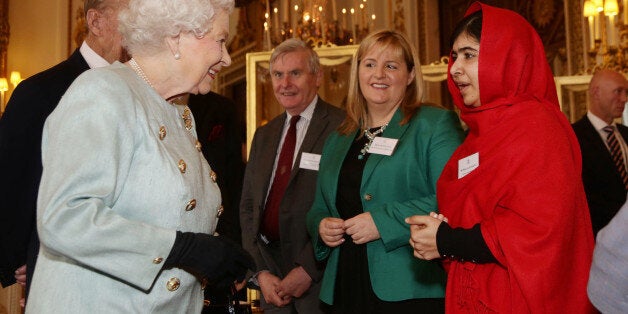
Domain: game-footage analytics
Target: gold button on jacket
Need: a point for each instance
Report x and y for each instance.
(173, 284)
(182, 166)
(191, 205)
(162, 132)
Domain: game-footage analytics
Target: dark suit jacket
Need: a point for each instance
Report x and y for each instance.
(295, 243)
(603, 185)
(20, 162)
(220, 131)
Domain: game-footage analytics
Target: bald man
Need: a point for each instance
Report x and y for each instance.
(603, 184)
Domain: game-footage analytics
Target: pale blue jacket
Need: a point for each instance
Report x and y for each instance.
(112, 197)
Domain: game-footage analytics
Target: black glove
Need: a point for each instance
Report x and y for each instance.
(215, 258)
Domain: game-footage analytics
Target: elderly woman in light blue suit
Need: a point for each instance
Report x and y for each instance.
(127, 204)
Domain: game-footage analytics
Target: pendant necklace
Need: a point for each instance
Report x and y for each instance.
(370, 136)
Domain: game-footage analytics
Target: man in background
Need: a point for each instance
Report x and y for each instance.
(21, 131)
(603, 146)
(280, 181)
(221, 133)
(220, 130)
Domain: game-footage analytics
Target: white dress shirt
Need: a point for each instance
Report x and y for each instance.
(93, 59)
(302, 125)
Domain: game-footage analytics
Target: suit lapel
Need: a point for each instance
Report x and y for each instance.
(317, 127)
(393, 130)
(594, 138)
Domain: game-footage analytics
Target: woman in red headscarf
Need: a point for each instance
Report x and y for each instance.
(518, 237)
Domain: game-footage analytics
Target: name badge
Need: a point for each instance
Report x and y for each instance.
(383, 146)
(468, 164)
(310, 161)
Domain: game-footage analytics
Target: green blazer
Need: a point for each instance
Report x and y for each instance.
(393, 188)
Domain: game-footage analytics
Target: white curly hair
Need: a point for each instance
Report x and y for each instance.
(145, 23)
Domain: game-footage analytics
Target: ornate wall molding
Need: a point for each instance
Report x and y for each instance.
(399, 19)
(421, 33)
(574, 30)
(5, 31)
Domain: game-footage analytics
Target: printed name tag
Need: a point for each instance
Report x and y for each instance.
(383, 146)
(468, 164)
(310, 161)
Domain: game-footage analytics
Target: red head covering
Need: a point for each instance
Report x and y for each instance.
(512, 63)
(525, 190)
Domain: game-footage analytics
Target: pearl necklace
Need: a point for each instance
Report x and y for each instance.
(186, 115)
(370, 136)
(138, 70)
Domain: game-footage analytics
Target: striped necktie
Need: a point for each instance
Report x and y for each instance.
(616, 154)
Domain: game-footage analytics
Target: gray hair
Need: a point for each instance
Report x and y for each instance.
(292, 45)
(99, 5)
(145, 23)
(92, 4)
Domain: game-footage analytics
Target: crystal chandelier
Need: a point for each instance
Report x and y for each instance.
(318, 22)
(607, 42)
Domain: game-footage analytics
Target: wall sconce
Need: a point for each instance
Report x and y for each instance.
(15, 78)
(608, 30)
(4, 86)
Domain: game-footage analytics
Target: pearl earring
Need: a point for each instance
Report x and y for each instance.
(177, 56)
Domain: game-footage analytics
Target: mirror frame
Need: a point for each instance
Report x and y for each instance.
(570, 91)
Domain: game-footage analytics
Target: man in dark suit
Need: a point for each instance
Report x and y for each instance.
(20, 137)
(603, 184)
(275, 235)
(221, 133)
(220, 130)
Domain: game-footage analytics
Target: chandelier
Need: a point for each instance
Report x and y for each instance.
(607, 42)
(317, 22)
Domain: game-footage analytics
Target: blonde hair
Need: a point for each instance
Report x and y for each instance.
(356, 103)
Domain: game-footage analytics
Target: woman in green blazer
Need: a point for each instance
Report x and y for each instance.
(380, 167)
